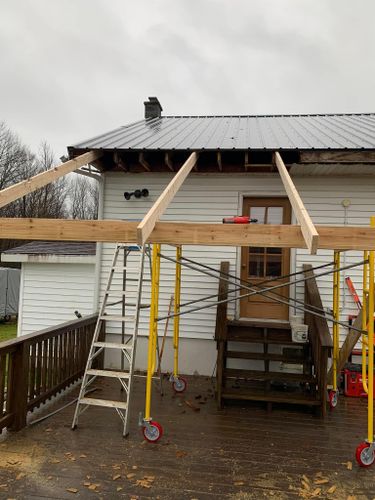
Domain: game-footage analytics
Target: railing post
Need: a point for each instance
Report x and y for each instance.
(19, 373)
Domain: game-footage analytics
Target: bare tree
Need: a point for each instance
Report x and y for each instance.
(83, 196)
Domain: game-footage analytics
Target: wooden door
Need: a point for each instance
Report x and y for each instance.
(260, 264)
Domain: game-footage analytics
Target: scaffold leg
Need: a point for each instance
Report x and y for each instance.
(179, 384)
(365, 452)
(152, 431)
(334, 393)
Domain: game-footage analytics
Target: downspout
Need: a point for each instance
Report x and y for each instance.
(99, 248)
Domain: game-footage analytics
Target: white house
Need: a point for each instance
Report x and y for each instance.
(57, 279)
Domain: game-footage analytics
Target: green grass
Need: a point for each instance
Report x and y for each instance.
(8, 331)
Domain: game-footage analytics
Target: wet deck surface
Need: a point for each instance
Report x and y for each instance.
(241, 452)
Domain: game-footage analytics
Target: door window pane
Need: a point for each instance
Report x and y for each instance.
(258, 213)
(256, 266)
(273, 266)
(275, 215)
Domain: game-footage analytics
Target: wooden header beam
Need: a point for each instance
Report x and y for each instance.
(309, 232)
(187, 233)
(145, 228)
(13, 193)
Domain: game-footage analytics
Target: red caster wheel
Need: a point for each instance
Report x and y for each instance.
(365, 454)
(152, 431)
(333, 398)
(179, 384)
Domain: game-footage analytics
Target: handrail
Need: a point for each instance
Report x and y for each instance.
(36, 366)
(314, 299)
(319, 335)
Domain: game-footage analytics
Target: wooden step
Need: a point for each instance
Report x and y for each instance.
(259, 323)
(113, 345)
(107, 373)
(299, 359)
(104, 402)
(261, 375)
(270, 396)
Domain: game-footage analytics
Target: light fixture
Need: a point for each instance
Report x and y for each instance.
(138, 193)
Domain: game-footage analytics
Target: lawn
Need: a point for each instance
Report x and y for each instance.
(8, 331)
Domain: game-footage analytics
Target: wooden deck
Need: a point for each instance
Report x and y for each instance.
(241, 452)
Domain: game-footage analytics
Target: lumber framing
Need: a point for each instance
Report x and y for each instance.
(13, 193)
(146, 226)
(187, 233)
(308, 229)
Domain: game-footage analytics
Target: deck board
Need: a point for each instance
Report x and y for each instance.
(241, 452)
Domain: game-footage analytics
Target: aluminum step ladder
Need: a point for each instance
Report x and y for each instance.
(127, 346)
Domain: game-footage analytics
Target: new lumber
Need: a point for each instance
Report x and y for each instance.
(187, 233)
(309, 231)
(158, 208)
(13, 193)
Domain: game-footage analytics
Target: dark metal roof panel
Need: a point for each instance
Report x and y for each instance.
(54, 248)
(344, 131)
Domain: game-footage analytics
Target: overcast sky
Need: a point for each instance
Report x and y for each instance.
(72, 69)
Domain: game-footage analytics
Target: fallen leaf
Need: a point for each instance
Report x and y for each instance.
(134, 467)
(130, 475)
(238, 483)
(92, 487)
(180, 454)
(86, 483)
(72, 490)
(115, 477)
(20, 476)
(324, 480)
(349, 466)
(48, 430)
(351, 497)
(119, 488)
(305, 484)
(49, 478)
(316, 492)
(191, 405)
(305, 478)
(13, 462)
(54, 461)
(332, 489)
(83, 455)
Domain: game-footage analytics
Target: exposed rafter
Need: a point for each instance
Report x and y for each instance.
(309, 231)
(144, 162)
(168, 161)
(187, 233)
(158, 208)
(23, 188)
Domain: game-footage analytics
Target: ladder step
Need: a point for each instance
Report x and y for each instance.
(104, 402)
(113, 345)
(110, 317)
(119, 268)
(108, 373)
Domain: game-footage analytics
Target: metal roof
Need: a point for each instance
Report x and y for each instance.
(54, 248)
(330, 131)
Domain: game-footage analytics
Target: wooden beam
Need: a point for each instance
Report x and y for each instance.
(143, 162)
(337, 157)
(219, 161)
(13, 193)
(309, 231)
(187, 233)
(168, 161)
(159, 207)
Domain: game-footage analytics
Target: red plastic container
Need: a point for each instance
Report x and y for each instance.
(353, 386)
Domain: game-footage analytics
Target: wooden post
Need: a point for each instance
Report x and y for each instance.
(221, 332)
(19, 373)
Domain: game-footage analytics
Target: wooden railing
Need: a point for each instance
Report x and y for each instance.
(221, 328)
(35, 367)
(319, 334)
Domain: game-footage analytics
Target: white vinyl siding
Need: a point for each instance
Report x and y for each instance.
(209, 198)
(50, 293)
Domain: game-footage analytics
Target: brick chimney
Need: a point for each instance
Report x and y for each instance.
(153, 108)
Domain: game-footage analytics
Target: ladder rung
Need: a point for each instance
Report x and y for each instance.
(120, 268)
(137, 279)
(104, 402)
(107, 373)
(110, 317)
(113, 345)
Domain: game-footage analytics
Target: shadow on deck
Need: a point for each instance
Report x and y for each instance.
(241, 452)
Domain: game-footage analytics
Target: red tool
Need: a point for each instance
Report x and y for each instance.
(353, 292)
(239, 219)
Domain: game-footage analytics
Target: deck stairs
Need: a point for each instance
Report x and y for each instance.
(259, 361)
